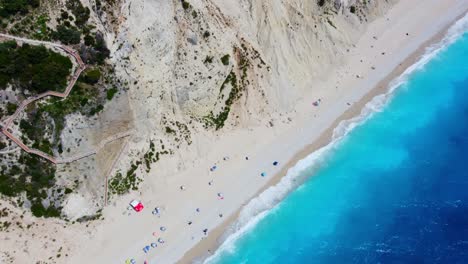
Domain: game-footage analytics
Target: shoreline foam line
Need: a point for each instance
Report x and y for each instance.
(267, 201)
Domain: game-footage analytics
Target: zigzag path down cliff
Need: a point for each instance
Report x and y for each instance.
(5, 124)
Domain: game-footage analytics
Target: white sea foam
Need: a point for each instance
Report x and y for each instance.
(265, 203)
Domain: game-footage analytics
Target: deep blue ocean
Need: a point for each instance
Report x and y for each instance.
(393, 190)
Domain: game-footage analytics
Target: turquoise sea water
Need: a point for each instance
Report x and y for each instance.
(393, 190)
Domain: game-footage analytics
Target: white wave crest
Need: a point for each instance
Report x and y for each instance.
(259, 207)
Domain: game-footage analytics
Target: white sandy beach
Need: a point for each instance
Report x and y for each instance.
(388, 42)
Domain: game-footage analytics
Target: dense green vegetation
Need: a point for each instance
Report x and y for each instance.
(33, 67)
(151, 156)
(110, 93)
(225, 59)
(37, 176)
(92, 76)
(80, 12)
(31, 25)
(30, 130)
(89, 40)
(12, 7)
(11, 108)
(186, 5)
(67, 35)
(218, 121)
(121, 184)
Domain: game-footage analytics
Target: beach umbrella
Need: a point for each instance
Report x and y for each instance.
(162, 228)
(146, 249)
(133, 261)
(160, 240)
(275, 163)
(263, 174)
(154, 245)
(155, 234)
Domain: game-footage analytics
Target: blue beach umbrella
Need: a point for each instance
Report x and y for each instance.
(146, 249)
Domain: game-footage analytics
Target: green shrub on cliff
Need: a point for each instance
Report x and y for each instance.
(12, 7)
(92, 76)
(33, 67)
(67, 35)
(225, 59)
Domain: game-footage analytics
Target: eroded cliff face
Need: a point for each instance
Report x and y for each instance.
(194, 69)
(172, 53)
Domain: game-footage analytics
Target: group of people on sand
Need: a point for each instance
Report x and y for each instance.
(157, 212)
